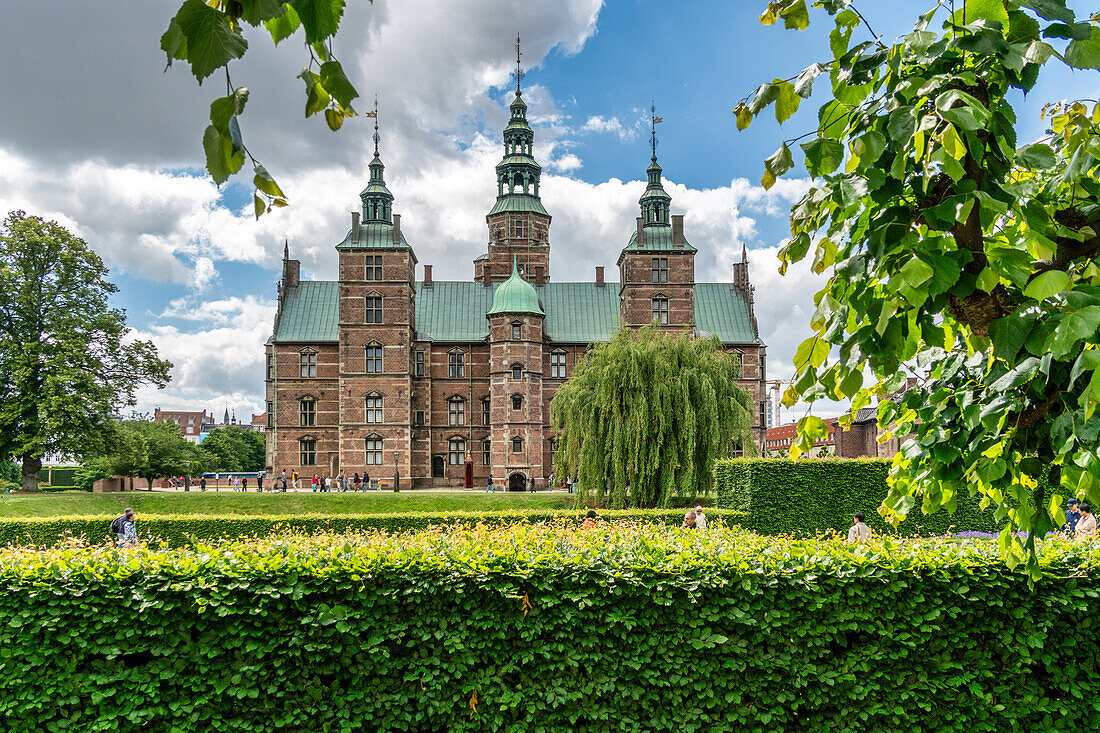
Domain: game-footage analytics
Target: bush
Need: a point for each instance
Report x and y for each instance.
(59, 475)
(53, 488)
(810, 496)
(178, 530)
(547, 628)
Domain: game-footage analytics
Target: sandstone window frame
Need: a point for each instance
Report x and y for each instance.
(517, 444)
(558, 369)
(307, 451)
(307, 363)
(659, 269)
(373, 404)
(517, 371)
(456, 450)
(517, 330)
(486, 410)
(486, 452)
(373, 268)
(517, 401)
(456, 411)
(307, 411)
(373, 354)
(456, 363)
(372, 304)
(659, 303)
(418, 363)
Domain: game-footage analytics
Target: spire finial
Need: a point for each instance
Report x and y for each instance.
(374, 113)
(653, 121)
(286, 249)
(519, 67)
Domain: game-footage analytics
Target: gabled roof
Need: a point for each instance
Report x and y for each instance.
(311, 312)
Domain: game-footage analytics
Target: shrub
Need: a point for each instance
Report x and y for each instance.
(59, 475)
(178, 530)
(547, 628)
(810, 496)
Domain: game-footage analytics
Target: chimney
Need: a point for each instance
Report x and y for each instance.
(397, 229)
(355, 227)
(291, 273)
(678, 230)
(599, 276)
(427, 276)
(640, 231)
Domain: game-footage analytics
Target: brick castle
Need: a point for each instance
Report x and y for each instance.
(384, 374)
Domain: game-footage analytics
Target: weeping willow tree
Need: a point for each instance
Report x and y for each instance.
(646, 415)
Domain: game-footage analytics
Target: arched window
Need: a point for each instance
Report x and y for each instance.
(456, 411)
(307, 362)
(660, 309)
(517, 402)
(374, 407)
(517, 445)
(517, 371)
(456, 452)
(307, 452)
(374, 358)
(373, 444)
(557, 364)
(307, 412)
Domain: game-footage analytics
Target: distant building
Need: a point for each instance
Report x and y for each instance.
(190, 423)
(779, 439)
(864, 438)
(259, 423)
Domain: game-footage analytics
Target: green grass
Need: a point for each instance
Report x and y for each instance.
(228, 502)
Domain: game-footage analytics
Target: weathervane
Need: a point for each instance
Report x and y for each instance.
(653, 120)
(519, 68)
(374, 114)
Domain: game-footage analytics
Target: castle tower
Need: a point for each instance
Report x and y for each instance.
(657, 267)
(517, 432)
(519, 226)
(376, 322)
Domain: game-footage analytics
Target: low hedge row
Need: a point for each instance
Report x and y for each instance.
(549, 628)
(179, 530)
(810, 496)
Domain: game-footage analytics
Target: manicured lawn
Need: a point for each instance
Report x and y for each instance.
(228, 502)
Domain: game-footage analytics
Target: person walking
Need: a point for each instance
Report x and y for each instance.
(244, 484)
(297, 482)
(124, 528)
(859, 532)
(328, 484)
(282, 477)
(260, 482)
(700, 518)
(569, 484)
(202, 483)
(1086, 525)
(237, 483)
(489, 485)
(1072, 517)
(355, 483)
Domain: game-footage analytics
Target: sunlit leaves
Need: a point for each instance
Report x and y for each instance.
(212, 40)
(1047, 285)
(776, 165)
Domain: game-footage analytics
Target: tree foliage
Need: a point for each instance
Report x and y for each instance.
(953, 250)
(66, 360)
(150, 450)
(234, 448)
(210, 35)
(651, 412)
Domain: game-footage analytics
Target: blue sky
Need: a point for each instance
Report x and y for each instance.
(122, 165)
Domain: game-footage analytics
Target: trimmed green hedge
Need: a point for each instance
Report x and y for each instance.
(810, 496)
(177, 530)
(59, 475)
(543, 628)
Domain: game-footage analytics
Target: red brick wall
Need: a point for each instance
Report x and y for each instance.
(637, 289)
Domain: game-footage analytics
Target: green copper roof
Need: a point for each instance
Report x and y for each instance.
(526, 160)
(374, 235)
(656, 238)
(454, 312)
(518, 203)
(515, 295)
(311, 312)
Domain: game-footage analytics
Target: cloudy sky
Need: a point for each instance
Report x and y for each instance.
(96, 135)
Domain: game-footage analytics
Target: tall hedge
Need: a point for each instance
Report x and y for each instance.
(811, 496)
(549, 628)
(179, 530)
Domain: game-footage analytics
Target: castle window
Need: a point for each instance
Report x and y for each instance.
(517, 445)
(374, 408)
(307, 452)
(517, 402)
(486, 452)
(418, 364)
(374, 267)
(517, 331)
(485, 411)
(374, 309)
(271, 414)
(660, 269)
(374, 450)
(557, 364)
(553, 448)
(457, 452)
(374, 358)
(307, 364)
(270, 367)
(517, 371)
(456, 364)
(307, 413)
(419, 419)
(456, 411)
(660, 310)
(519, 227)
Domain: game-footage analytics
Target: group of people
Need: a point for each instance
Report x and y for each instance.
(343, 482)
(1080, 521)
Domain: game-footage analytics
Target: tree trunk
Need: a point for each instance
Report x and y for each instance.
(31, 467)
(150, 482)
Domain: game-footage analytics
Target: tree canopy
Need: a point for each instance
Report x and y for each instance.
(67, 362)
(234, 448)
(210, 35)
(147, 449)
(652, 412)
(953, 250)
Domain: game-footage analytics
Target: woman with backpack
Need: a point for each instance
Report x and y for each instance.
(124, 528)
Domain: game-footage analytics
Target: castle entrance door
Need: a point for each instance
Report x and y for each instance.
(517, 482)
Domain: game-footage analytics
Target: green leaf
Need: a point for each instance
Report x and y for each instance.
(264, 182)
(334, 118)
(316, 96)
(915, 272)
(259, 205)
(1074, 326)
(1047, 285)
(337, 85)
(1036, 155)
(223, 109)
(1085, 54)
(1050, 9)
(952, 143)
(811, 352)
(174, 43)
(744, 117)
(823, 156)
(795, 16)
(986, 10)
(283, 27)
(320, 18)
(832, 120)
(776, 165)
(255, 12)
(211, 41)
(814, 427)
(786, 103)
(804, 84)
(222, 160)
(765, 95)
